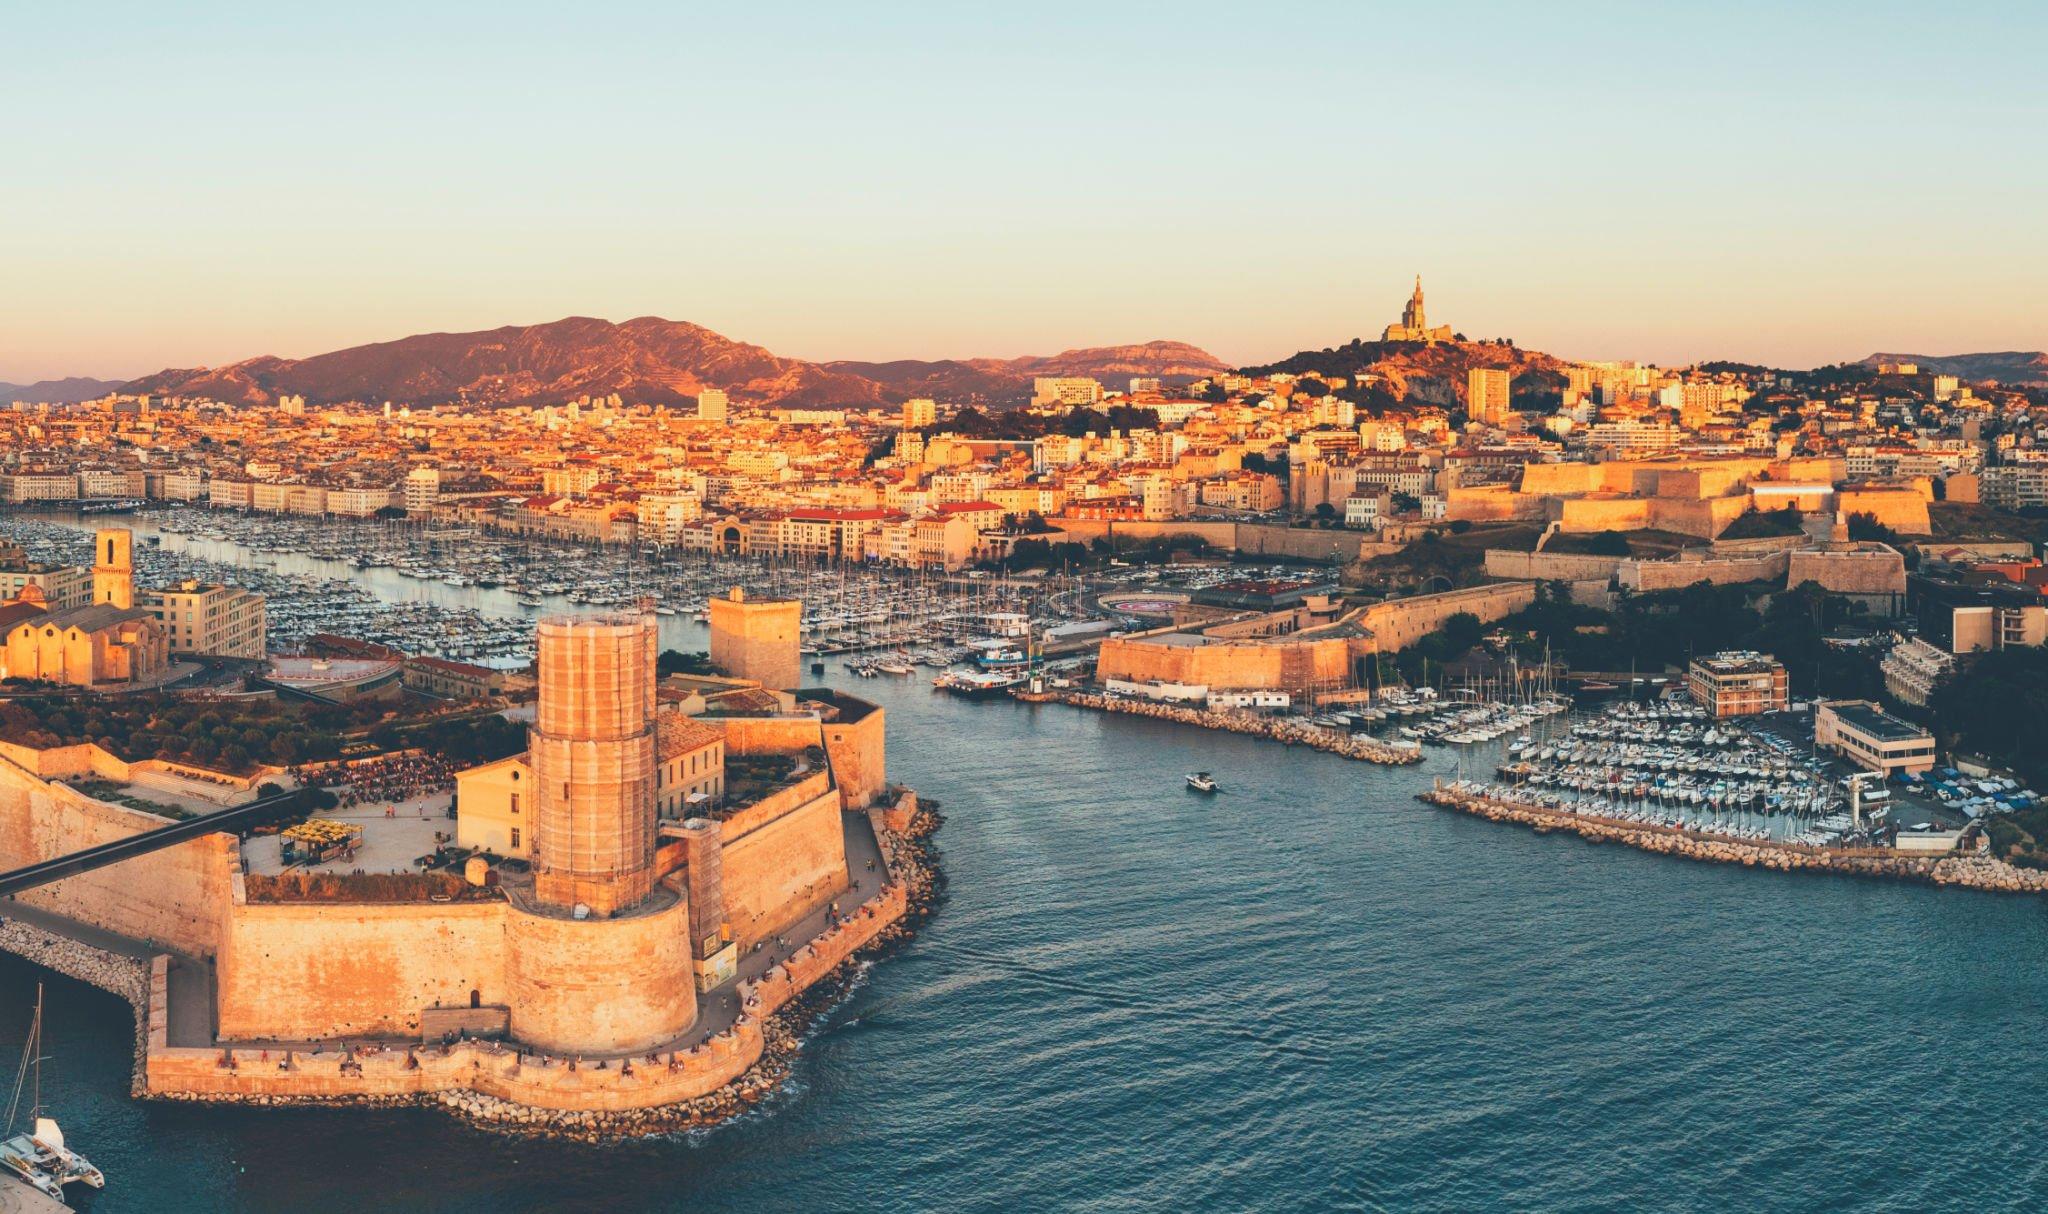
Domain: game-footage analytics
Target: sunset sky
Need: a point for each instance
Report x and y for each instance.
(1789, 183)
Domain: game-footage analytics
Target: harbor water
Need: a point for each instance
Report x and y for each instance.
(1310, 992)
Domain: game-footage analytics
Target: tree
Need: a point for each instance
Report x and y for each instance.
(674, 661)
(1998, 708)
(1864, 526)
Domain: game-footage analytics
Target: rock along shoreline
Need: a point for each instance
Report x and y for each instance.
(1964, 872)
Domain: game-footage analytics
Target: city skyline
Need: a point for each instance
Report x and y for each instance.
(925, 185)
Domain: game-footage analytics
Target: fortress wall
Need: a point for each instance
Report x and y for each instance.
(1492, 503)
(1705, 518)
(83, 759)
(1246, 665)
(599, 984)
(859, 756)
(775, 805)
(778, 871)
(1399, 623)
(1651, 576)
(1549, 566)
(494, 1070)
(1301, 543)
(1807, 500)
(1582, 514)
(1877, 571)
(1903, 510)
(1562, 480)
(318, 970)
(1086, 530)
(1830, 469)
(767, 735)
(177, 897)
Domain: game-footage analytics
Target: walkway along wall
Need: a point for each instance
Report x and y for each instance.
(177, 897)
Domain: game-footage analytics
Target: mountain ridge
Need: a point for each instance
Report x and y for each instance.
(647, 359)
(68, 390)
(2014, 367)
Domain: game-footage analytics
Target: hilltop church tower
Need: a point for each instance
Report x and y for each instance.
(1414, 324)
(113, 569)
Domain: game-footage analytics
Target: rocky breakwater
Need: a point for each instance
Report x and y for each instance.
(1966, 872)
(1293, 733)
(116, 973)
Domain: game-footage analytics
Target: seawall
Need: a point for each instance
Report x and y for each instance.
(1967, 872)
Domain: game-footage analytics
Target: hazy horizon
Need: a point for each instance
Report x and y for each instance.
(1773, 184)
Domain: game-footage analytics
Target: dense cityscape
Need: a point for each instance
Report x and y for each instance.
(700, 609)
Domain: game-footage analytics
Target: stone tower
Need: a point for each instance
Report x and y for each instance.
(592, 750)
(113, 569)
(1412, 316)
(759, 640)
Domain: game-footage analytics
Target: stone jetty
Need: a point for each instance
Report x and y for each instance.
(1348, 746)
(1964, 871)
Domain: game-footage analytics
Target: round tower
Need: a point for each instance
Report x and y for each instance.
(592, 749)
(113, 569)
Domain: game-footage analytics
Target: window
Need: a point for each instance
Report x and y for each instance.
(515, 802)
(515, 838)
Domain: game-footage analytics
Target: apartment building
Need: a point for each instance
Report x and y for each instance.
(1914, 668)
(1737, 683)
(208, 619)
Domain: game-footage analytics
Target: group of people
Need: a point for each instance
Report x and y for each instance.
(389, 779)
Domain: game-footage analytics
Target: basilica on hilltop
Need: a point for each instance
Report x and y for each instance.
(1414, 324)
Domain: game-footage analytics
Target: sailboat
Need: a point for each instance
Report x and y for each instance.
(39, 1157)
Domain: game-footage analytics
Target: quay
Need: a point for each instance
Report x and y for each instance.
(1348, 746)
(1967, 872)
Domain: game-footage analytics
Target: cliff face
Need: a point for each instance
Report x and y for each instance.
(648, 360)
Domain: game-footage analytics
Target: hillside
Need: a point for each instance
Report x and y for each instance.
(1429, 374)
(58, 391)
(1006, 381)
(2015, 367)
(646, 360)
